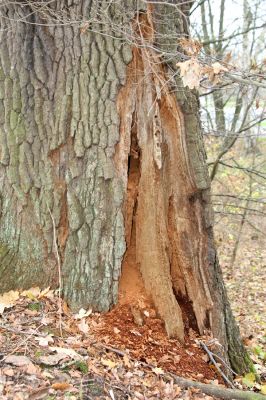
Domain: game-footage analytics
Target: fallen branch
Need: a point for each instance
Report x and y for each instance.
(218, 391)
(212, 390)
(210, 355)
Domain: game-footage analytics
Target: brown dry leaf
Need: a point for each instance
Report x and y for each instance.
(218, 68)
(46, 320)
(75, 374)
(18, 361)
(39, 393)
(146, 313)
(52, 359)
(19, 396)
(227, 57)
(190, 72)
(8, 371)
(177, 390)
(47, 374)
(65, 308)
(158, 371)
(165, 358)
(177, 359)
(32, 369)
(32, 293)
(8, 300)
(32, 313)
(84, 27)
(134, 332)
(83, 313)
(83, 326)
(138, 396)
(61, 386)
(44, 292)
(116, 330)
(66, 352)
(44, 341)
(170, 390)
(108, 363)
(205, 357)
(191, 46)
(127, 361)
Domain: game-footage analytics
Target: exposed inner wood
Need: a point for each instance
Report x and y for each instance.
(131, 285)
(163, 210)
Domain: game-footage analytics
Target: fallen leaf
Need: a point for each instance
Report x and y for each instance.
(66, 352)
(44, 292)
(249, 379)
(44, 341)
(32, 313)
(177, 359)
(108, 363)
(146, 313)
(127, 361)
(39, 393)
(83, 326)
(52, 359)
(83, 313)
(32, 369)
(46, 374)
(263, 389)
(138, 395)
(158, 371)
(8, 371)
(61, 386)
(32, 293)
(8, 299)
(46, 320)
(18, 361)
(136, 333)
(116, 330)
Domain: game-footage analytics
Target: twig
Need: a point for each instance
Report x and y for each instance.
(224, 363)
(7, 328)
(116, 351)
(59, 272)
(217, 391)
(213, 390)
(210, 354)
(24, 341)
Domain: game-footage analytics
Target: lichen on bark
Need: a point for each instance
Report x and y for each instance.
(70, 99)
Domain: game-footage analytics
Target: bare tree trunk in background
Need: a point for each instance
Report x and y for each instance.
(91, 130)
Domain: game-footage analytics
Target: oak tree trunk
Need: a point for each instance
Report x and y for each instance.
(99, 144)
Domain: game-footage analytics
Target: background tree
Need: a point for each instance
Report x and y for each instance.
(101, 152)
(234, 109)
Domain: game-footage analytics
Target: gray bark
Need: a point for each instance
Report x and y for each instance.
(71, 101)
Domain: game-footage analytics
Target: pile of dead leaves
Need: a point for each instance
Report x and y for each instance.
(44, 356)
(47, 355)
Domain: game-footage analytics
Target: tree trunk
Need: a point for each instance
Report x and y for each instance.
(96, 144)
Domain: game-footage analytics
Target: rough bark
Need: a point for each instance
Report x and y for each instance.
(92, 133)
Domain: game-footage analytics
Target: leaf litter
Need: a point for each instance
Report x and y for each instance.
(98, 356)
(112, 358)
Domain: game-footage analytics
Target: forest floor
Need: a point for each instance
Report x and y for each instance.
(125, 354)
